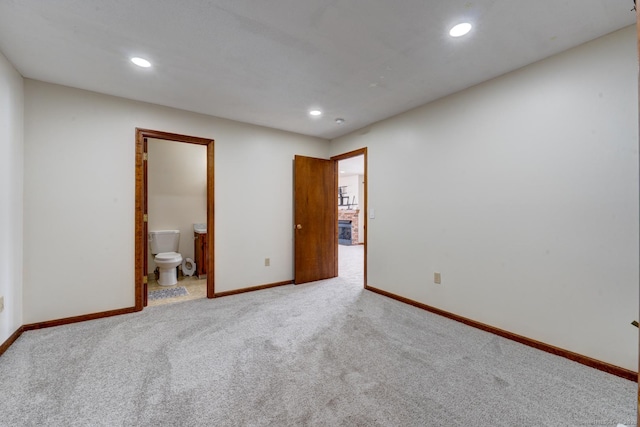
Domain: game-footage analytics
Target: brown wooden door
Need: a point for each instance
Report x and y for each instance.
(315, 216)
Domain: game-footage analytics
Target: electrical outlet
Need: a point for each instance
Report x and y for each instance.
(436, 278)
(267, 262)
(1, 304)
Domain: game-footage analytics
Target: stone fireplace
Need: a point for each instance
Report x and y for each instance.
(350, 215)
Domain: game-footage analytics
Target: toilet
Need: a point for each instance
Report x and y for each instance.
(164, 248)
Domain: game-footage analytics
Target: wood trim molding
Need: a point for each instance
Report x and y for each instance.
(635, 3)
(585, 360)
(150, 133)
(5, 345)
(140, 197)
(361, 152)
(76, 319)
(140, 242)
(365, 215)
(253, 288)
(211, 229)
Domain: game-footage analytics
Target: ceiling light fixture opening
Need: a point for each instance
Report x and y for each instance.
(141, 62)
(315, 113)
(460, 30)
(339, 120)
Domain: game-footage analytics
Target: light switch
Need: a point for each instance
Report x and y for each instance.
(372, 213)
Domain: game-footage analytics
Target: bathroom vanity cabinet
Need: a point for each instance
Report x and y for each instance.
(201, 253)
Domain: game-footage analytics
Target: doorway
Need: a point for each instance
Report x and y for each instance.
(141, 209)
(177, 200)
(316, 201)
(352, 213)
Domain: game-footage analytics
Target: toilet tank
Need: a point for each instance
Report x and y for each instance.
(164, 241)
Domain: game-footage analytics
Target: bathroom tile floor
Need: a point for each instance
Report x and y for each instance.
(197, 288)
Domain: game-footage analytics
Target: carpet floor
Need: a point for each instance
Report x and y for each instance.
(322, 354)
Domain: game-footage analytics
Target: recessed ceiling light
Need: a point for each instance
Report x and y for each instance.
(460, 29)
(141, 62)
(315, 113)
(339, 121)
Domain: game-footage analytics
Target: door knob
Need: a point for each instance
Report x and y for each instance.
(299, 226)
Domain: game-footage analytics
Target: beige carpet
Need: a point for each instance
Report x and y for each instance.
(322, 354)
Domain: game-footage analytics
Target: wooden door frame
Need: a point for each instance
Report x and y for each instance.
(638, 62)
(344, 156)
(141, 202)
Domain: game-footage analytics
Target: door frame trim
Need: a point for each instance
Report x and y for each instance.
(140, 202)
(348, 155)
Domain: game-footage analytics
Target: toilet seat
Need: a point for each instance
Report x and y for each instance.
(168, 257)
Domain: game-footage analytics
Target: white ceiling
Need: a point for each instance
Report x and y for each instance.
(268, 62)
(351, 166)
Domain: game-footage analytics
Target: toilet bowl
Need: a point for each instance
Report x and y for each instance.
(167, 263)
(164, 248)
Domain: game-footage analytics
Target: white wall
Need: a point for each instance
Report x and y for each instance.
(523, 193)
(353, 189)
(79, 198)
(11, 192)
(177, 190)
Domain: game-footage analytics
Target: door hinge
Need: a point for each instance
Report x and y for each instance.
(145, 218)
(145, 156)
(145, 279)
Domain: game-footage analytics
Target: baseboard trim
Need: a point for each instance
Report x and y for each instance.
(585, 360)
(252, 288)
(5, 345)
(76, 319)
